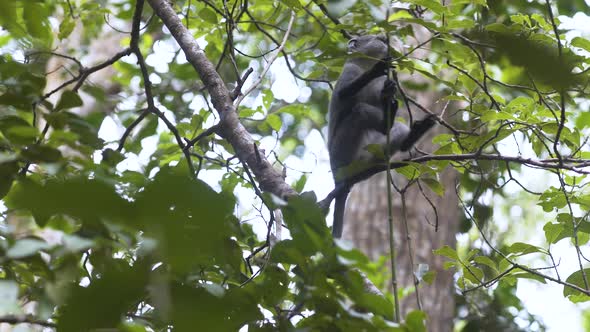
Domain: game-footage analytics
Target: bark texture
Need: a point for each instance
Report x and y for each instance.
(367, 227)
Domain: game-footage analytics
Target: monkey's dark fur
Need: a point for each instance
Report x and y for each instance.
(358, 116)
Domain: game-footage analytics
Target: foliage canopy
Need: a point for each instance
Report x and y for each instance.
(126, 234)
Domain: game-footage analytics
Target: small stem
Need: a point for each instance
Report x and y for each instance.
(389, 202)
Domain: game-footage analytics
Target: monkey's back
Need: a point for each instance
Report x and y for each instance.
(342, 108)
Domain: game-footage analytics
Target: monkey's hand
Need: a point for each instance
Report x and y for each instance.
(389, 90)
(381, 67)
(389, 103)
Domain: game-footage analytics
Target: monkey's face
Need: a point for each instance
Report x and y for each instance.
(373, 46)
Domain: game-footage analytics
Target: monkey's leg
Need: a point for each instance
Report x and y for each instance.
(344, 143)
(397, 137)
(369, 117)
(419, 128)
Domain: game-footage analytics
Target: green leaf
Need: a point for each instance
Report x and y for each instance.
(9, 295)
(293, 4)
(307, 225)
(485, 260)
(26, 247)
(113, 295)
(473, 274)
(286, 251)
(497, 27)
(17, 130)
(131, 327)
(429, 277)
(449, 265)
(354, 287)
(227, 313)
(66, 27)
(460, 24)
(521, 19)
(527, 275)
(448, 252)
(8, 18)
(112, 157)
(434, 185)
(274, 121)
(16, 100)
(36, 153)
(179, 212)
(577, 279)
(554, 232)
(35, 17)
(377, 150)
(433, 5)
(208, 15)
(75, 243)
(267, 98)
(521, 248)
(69, 99)
(300, 183)
(399, 15)
(582, 43)
(542, 22)
(21, 134)
(274, 286)
(348, 255)
(547, 65)
(8, 172)
(552, 199)
(416, 321)
(90, 200)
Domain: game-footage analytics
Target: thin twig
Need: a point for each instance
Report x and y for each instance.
(404, 218)
(392, 258)
(28, 319)
(270, 61)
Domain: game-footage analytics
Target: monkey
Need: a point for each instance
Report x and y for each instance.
(357, 116)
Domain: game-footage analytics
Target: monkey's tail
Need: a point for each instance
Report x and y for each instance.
(339, 206)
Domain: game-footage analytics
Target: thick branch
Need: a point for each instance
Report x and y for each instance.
(230, 127)
(25, 319)
(574, 165)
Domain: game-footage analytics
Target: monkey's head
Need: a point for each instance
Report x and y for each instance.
(373, 46)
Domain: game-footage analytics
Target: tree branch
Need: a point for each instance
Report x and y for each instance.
(270, 62)
(25, 319)
(574, 166)
(231, 129)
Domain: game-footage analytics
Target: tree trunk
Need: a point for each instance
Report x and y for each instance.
(367, 227)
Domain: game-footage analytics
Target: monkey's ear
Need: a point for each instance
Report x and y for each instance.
(352, 44)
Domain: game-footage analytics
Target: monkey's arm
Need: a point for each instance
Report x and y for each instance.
(352, 86)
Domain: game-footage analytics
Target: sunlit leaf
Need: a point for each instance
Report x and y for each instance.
(447, 251)
(208, 15)
(580, 279)
(9, 295)
(26, 247)
(69, 99)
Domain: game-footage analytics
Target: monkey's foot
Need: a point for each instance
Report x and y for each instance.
(419, 128)
(389, 89)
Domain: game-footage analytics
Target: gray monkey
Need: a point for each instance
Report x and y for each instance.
(357, 116)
